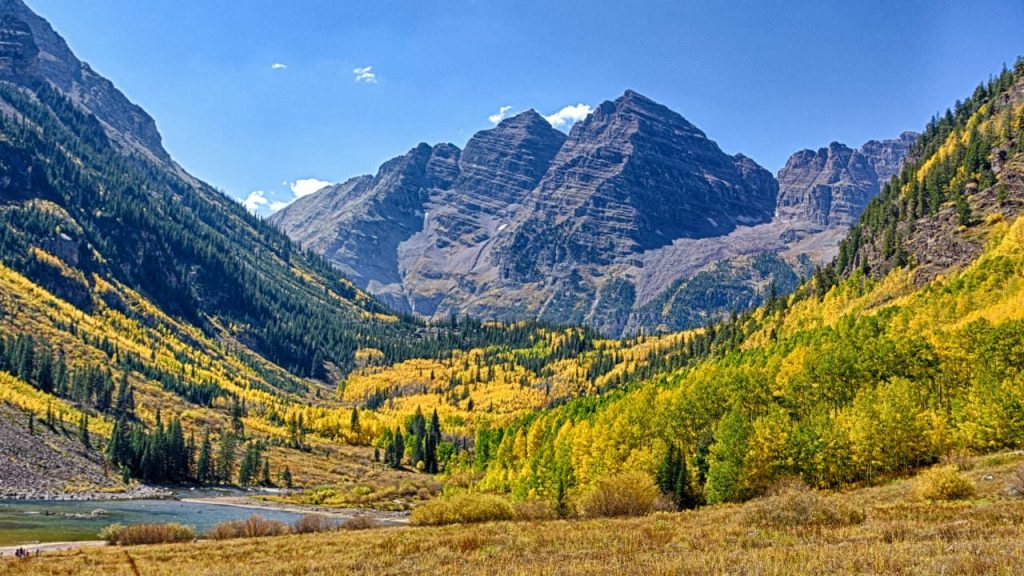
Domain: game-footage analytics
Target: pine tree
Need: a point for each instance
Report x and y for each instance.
(250, 465)
(237, 413)
(265, 481)
(963, 210)
(83, 430)
(354, 421)
(668, 470)
(286, 477)
(204, 463)
(226, 457)
(433, 440)
(395, 450)
(124, 404)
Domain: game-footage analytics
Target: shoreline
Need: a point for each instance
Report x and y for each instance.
(7, 552)
(136, 493)
(385, 517)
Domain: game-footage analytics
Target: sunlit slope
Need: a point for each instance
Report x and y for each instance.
(910, 347)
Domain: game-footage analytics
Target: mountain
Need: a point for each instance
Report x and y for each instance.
(831, 186)
(32, 53)
(634, 222)
(905, 350)
(137, 301)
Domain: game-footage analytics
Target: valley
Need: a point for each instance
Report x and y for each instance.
(618, 349)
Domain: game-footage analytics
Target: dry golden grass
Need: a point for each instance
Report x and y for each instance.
(900, 534)
(254, 526)
(462, 509)
(147, 534)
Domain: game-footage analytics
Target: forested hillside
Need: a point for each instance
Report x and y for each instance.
(908, 348)
(158, 321)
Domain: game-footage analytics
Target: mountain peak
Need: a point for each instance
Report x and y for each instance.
(530, 121)
(645, 114)
(631, 95)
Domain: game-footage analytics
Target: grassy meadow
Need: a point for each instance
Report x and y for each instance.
(887, 529)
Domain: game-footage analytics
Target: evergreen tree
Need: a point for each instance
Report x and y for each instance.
(354, 421)
(226, 457)
(204, 463)
(963, 210)
(395, 450)
(124, 404)
(119, 449)
(265, 480)
(433, 440)
(249, 467)
(83, 430)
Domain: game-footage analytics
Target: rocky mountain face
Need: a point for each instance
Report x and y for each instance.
(32, 52)
(632, 177)
(635, 221)
(831, 186)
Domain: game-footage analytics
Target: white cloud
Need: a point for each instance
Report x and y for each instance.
(306, 186)
(569, 115)
(502, 112)
(365, 74)
(278, 66)
(263, 203)
(256, 200)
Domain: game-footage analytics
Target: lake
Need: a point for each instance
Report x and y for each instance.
(32, 521)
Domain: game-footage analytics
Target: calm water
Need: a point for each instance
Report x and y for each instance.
(31, 521)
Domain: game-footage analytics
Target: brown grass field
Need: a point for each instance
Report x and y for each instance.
(893, 532)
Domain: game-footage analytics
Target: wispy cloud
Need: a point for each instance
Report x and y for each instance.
(502, 112)
(365, 74)
(264, 203)
(306, 186)
(255, 201)
(569, 115)
(278, 66)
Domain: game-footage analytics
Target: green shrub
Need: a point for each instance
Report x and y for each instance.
(798, 505)
(121, 535)
(462, 509)
(944, 483)
(625, 494)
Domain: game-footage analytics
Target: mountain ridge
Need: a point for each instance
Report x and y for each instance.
(592, 226)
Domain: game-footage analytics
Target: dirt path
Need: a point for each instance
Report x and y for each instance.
(7, 552)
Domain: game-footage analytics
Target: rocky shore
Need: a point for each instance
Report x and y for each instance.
(133, 493)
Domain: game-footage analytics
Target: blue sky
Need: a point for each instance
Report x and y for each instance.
(361, 82)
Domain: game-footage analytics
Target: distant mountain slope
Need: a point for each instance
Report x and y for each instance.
(604, 226)
(136, 300)
(908, 348)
